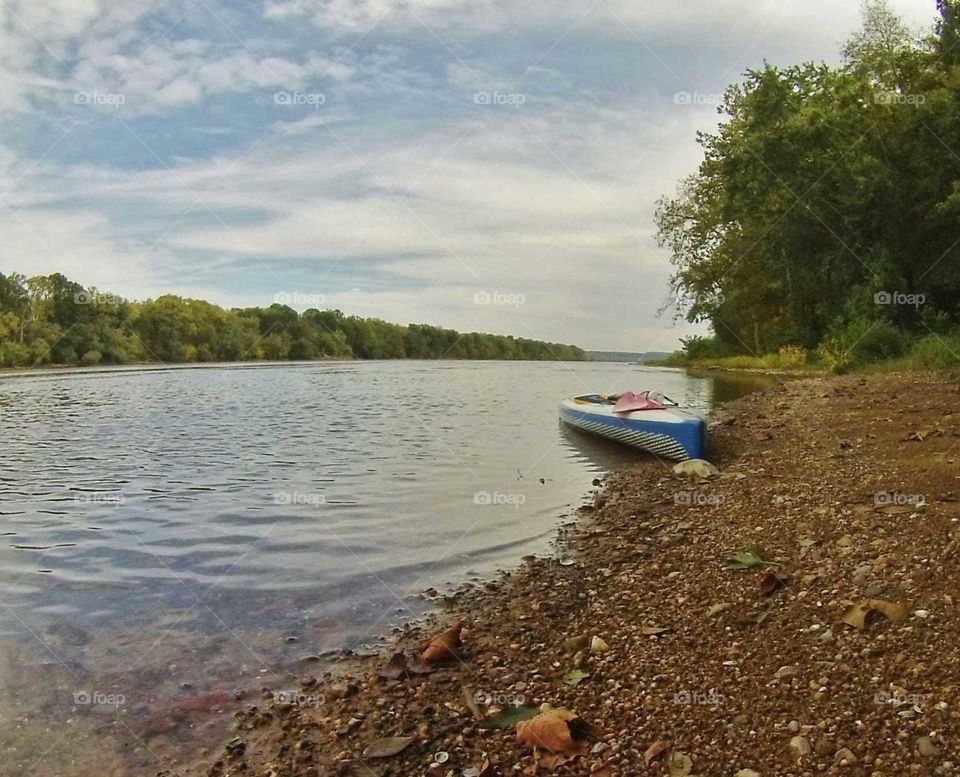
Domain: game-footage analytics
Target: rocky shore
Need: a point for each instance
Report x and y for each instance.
(795, 614)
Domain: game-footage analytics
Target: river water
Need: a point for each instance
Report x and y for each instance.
(171, 537)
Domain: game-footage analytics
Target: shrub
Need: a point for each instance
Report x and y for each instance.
(836, 354)
(90, 358)
(791, 357)
(936, 352)
(877, 340)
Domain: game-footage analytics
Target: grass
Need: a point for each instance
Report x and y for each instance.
(936, 353)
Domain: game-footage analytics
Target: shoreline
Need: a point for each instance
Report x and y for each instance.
(737, 681)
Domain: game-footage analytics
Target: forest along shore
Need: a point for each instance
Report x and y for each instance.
(794, 614)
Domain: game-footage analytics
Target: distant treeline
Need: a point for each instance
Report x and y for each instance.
(824, 216)
(49, 319)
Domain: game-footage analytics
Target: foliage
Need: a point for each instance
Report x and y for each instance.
(792, 357)
(936, 352)
(824, 192)
(50, 319)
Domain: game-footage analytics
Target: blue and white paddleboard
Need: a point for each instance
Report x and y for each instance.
(669, 432)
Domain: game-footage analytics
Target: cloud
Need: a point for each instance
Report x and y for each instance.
(399, 195)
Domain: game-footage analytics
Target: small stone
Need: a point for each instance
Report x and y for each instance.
(783, 672)
(823, 746)
(800, 746)
(844, 756)
(597, 645)
(793, 726)
(927, 748)
(747, 773)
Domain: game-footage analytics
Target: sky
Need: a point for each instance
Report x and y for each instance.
(485, 165)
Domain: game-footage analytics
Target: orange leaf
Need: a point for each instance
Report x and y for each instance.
(655, 750)
(856, 616)
(443, 647)
(549, 730)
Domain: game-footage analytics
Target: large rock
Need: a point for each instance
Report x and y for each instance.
(695, 468)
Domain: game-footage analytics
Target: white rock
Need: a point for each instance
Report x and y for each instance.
(698, 468)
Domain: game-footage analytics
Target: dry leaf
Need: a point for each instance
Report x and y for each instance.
(655, 750)
(556, 730)
(771, 581)
(389, 746)
(856, 616)
(577, 643)
(443, 647)
(395, 668)
(653, 631)
(716, 609)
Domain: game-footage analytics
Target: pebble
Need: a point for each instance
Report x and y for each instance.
(800, 746)
(845, 756)
(927, 748)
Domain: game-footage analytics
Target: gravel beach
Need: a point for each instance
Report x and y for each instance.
(794, 614)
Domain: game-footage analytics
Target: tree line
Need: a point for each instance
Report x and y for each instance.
(824, 215)
(48, 319)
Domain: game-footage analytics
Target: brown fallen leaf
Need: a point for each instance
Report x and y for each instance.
(654, 631)
(574, 644)
(556, 730)
(443, 647)
(416, 665)
(387, 747)
(655, 750)
(857, 615)
(553, 761)
(771, 581)
(395, 668)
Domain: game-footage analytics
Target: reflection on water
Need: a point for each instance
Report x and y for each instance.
(169, 538)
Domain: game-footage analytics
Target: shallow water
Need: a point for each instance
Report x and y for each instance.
(171, 536)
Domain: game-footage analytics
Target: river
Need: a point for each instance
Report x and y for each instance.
(171, 538)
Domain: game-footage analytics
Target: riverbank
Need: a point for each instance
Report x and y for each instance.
(845, 487)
